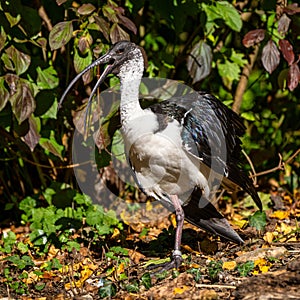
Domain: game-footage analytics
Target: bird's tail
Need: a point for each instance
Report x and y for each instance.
(208, 218)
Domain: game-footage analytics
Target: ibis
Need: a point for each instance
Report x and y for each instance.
(178, 148)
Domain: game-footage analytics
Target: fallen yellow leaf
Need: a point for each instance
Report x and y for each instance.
(239, 223)
(280, 214)
(260, 262)
(188, 248)
(116, 233)
(173, 220)
(229, 265)
(180, 290)
(268, 237)
(149, 206)
(264, 269)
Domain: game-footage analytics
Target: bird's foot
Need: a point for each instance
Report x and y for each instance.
(175, 263)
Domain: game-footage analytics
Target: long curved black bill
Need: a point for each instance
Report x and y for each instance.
(101, 60)
(88, 107)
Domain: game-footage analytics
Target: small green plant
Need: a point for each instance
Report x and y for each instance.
(246, 268)
(7, 242)
(196, 272)
(214, 268)
(56, 223)
(15, 282)
(258, 220)
(107, 289)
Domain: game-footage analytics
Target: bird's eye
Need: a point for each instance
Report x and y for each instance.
(120, 51)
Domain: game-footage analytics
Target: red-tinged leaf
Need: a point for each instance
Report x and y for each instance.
(287, 51)
(21, 60)
(22, 102)
(253, 37)
(283, 24)
(199, 61)
(104, 26)
(85, 43)
(42, 42)
(118, 34)
(60, 35)
(110, 13)
(293, 77)
(86, 9)
(292, 9)
(4, 94)
(270, 56)
(21, 97)
(12, 81)
(127, 23)
(32, 137)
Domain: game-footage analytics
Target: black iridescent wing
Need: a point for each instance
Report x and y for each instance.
(215, 130)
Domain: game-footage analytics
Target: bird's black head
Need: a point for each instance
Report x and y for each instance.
(118, 55)
(122, 52)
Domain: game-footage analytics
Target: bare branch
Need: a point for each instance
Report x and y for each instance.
(281, 165)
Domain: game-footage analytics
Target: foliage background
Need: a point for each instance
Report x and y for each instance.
(244, 52)
(44, 44)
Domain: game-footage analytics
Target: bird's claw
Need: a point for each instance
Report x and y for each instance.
(175, 263)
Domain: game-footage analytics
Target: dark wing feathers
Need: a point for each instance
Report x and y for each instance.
(215, 130)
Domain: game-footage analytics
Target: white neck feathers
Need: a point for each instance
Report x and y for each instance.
(130, 75)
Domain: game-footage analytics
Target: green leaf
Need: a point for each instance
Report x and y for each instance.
(51, 113)
(47, 78)
(21, 262)
(246, 268)
(3, 37)
(81, 62)
(230, 15)
(12, 20)
(117, 147)
(229, 70)
(27, 205)
(20, 60)
(146, 280)
(258, 220)
(60, 35)
(40, 286)
(23, 248)
(249, 115)
(108, 289)
(238, 58)
(72, 245)
(119, 250)
(7, 62)
(51, 145)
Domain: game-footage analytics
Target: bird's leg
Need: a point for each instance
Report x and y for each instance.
(176, 255)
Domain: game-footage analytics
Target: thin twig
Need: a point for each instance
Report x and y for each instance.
(280, 166)
(42, 13)
(218, 286)
(252, 167)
